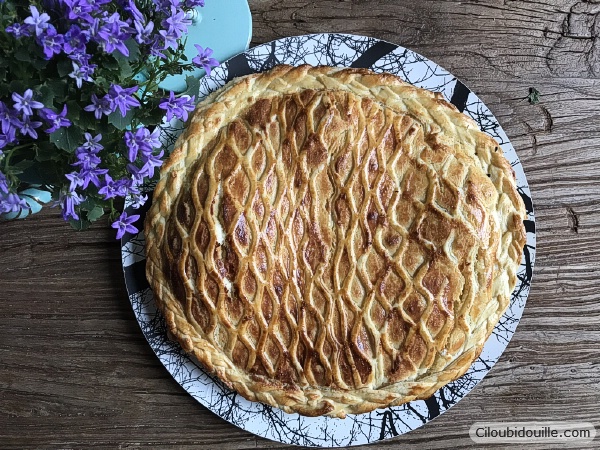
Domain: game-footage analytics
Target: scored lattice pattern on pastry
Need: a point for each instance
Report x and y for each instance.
(332, 241)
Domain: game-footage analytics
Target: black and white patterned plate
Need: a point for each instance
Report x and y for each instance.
(344, 51)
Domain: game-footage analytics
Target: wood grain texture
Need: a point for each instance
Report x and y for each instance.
(75, 370)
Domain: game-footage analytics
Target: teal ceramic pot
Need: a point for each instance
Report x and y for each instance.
(35, 197)
(225, 26)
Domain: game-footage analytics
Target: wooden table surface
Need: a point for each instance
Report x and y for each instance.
(75, 370)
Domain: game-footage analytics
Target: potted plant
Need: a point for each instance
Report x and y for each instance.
(80, 102)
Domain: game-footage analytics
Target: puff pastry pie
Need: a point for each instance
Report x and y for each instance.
(331, 241)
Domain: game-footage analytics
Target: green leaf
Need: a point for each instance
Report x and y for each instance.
(134, 49)
(103, 127)
(119, 121)
(21, 166)
(47, 96)
(45, 151)
(82, 119)
(125, 68)
(74, 109)
(111, 63)
(22, 53)
(17, 86)
(80, 224)
(193, 86)
(67, 138)
(53, 90)
(88, 204)
(64, 67)
(153, 115)
(39, 63)
(534, 96)
(95, 213)
(87, 121)
(123, 61)
(102, 82)
(29, 52)
(48, 173)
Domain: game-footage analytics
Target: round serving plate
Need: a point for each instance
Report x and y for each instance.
(341, 50)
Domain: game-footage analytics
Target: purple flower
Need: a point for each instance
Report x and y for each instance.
(91, 176)
(4, 141)
(133, 186)
(157, 47)
(193, 3)
(170, 105)
(86, 160)
(78, 9)
(112, 38)
(143, 32)
(93, 27)
(37, 21)
(170, 40)
(76, 180)
(27, 127)
(125, 186)
(135, 173)
(125, 224)
(68, 203)
(177, 23)
(83, 59)
(123, 98)
(7, 117)
(132, 9)
(25, 103)
(116, 18)
(92, 144)
(138, 200)
(177, 107)
(204, 59)
(114, 188)
(143, 141)
(75, 40)
(52, 6)
(166, 5)
(18, 30)
(11, 202)
(3, 183)
(97, 3)
(51, 42)
(151, 162)
(100, 106)
(152, 140)
(187, 104)
(7, 138)
(82, 73)
(55, 120)
(132, 144)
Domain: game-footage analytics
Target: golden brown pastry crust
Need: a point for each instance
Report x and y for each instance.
(330, 241)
